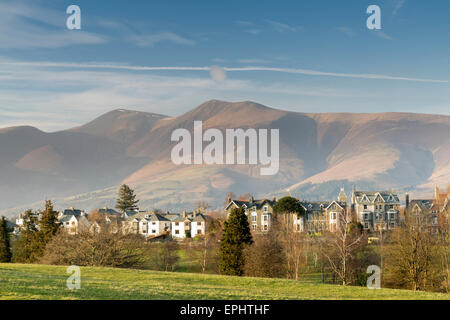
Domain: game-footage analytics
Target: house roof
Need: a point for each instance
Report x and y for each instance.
(387, 196)
(181, 219)
(73, 212)
(157, 217)
(109, 211)
(199, 217)
(422, 203)
(311, 206)
(66, 218)
(249, 204)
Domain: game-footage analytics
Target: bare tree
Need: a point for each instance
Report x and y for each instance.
(266, 257)
(202, 207)
(164, 256)
(340, 246)
(295, 244)
(410, 256)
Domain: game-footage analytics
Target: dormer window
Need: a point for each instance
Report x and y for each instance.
(266, 208)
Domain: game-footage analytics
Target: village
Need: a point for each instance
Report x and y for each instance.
(375, 211)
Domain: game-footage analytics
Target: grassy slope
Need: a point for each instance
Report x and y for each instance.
(19, 281)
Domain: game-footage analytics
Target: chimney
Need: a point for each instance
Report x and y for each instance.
(251, 199)
(184, 214)
(436, 194)
(274, 199)
(105, 207)
(194, 213)
(407, 200)
(71, 208)
(228, 199)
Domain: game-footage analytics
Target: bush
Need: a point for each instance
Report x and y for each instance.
(104, 249)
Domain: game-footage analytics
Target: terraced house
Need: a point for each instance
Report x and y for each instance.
(148, 224)
(188, 225)
(376, 210)
(319, 216)
(429, 211)
(259, 212)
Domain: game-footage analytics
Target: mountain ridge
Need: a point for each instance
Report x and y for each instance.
(318, 151)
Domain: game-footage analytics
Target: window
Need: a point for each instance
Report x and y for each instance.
(366, 216)
(176, 223)
(153, 231)
(266, 209)
(153, 223)
(254, 226)
(199, 231)
(392, 216)
(186, 224)
(199, 224)
(365, 206)
(265, 218)
(177, 231)
(366, 225)
(254, 218)
(266, 227)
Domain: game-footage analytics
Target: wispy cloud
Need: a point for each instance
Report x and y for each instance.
(253, 31)
(349, 32)
(382, 35)
(31, 26)
(165, 36)
(283, 27)
(398, 6)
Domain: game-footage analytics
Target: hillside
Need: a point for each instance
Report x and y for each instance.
(319, 153)
(49, 282)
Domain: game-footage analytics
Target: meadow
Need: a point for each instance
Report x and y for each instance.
(27, 281)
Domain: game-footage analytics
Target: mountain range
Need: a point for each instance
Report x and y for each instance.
(319, 153)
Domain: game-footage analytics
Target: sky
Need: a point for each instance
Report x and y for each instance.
(170, 56)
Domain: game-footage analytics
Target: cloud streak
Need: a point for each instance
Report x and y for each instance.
(398, 6)
(165, 36)
(307, 72)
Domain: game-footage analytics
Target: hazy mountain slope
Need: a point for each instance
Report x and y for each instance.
(123, 126)
(35, 164)
(319, 153)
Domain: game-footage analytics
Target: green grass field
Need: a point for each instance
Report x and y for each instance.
(19, 281)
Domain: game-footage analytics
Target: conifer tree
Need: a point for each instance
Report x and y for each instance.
(5, 246)
(48, 224)
(24, 247)
(236, 236)
(127, 199)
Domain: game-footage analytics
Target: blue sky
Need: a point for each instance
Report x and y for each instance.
(308, 56)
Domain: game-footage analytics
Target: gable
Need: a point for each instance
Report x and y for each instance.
(378, 198)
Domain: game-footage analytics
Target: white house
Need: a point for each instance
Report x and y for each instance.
(157, 224)
(181, 226)
(198, 224)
